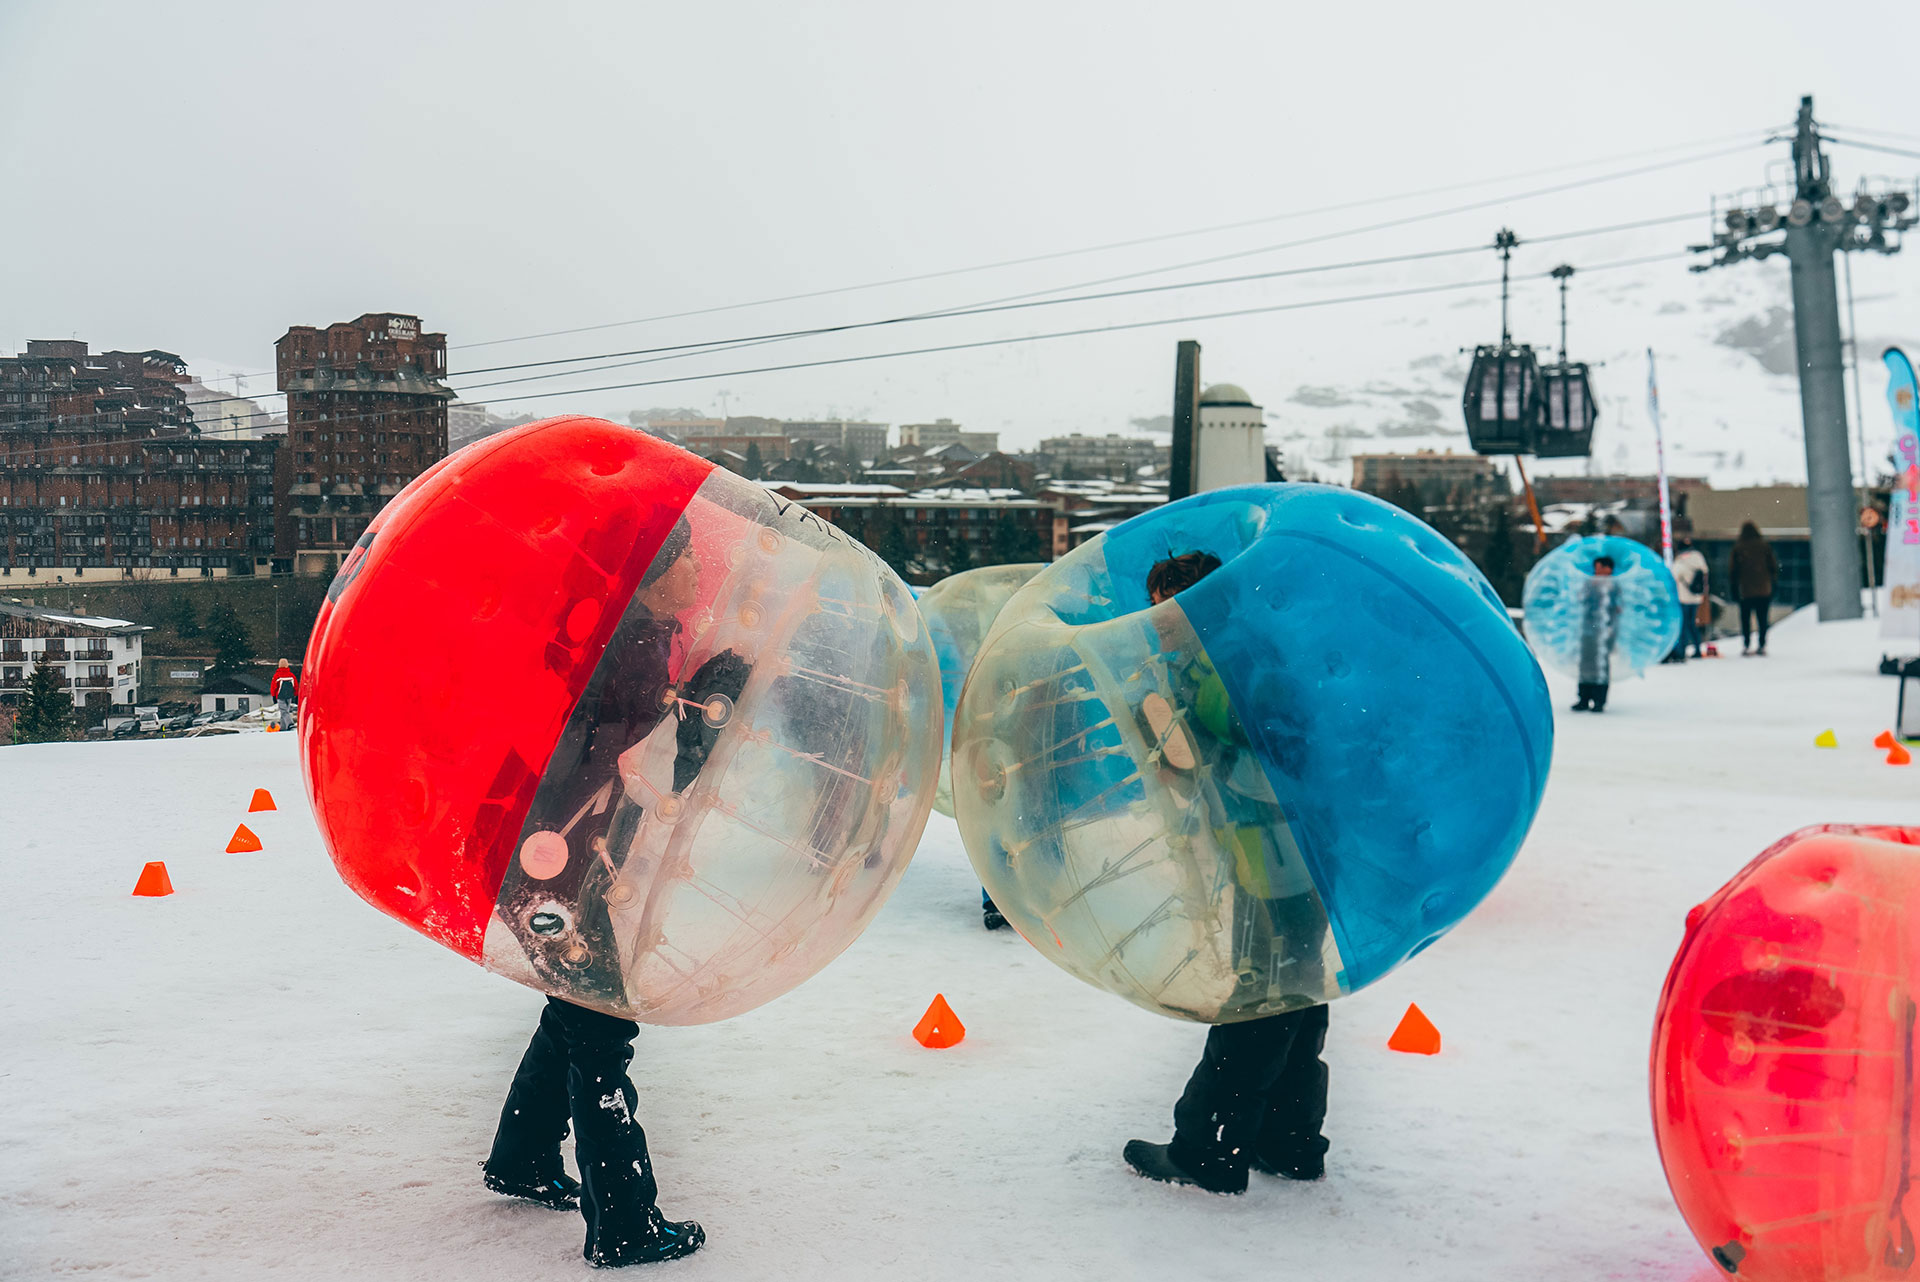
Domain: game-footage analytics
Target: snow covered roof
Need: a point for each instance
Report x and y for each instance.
(21, 610)
(971, 493)
(824, 489)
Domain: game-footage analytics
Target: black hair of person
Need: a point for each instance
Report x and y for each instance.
(1178, 573)
(672, 548)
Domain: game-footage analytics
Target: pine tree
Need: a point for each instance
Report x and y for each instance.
(1498, 561)
(887, 535)
(232, 647)
(46, 710)
(180, 613)
(1014, 542)
(755, 465)
(959, 553)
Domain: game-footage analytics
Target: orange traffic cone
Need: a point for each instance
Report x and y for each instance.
(243, 841)
(1416, 1034)
(1898, 756)
(939, 1028)
(1885, 739)
(153, 881)
(262, 800)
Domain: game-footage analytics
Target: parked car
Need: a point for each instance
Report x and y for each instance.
(203, 718)
(129, 728)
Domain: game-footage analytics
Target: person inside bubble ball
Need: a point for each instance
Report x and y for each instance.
(1599, 621)
(574, 1070)
(1258, 1098)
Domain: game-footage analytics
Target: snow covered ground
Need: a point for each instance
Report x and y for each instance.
(262, 1077)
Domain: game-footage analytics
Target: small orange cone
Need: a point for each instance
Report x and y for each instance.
(1898, 756)
(153, 881)
(243, 841)
(939, 1028)
(1416, 1034)
(1886, 740)
(262, 800)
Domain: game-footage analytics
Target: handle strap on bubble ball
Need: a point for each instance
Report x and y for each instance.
(1900, 1251)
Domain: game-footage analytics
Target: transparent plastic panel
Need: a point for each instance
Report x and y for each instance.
(743, 782)
(959, 610)
(1581, 624)
(1783, 1066)
(1269, 789)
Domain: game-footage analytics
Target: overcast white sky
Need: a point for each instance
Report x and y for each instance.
(199, 176)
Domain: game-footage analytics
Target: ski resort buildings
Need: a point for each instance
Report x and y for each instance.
(366, 413)
(104, 472)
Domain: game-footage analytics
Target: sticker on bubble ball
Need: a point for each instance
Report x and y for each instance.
(543, 855)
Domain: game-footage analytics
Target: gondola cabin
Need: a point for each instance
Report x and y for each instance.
(1567, 412)
(1502, 399)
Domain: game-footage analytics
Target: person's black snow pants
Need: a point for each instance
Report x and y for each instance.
(1260, 1088)
(576, 1068)
(1752, 609)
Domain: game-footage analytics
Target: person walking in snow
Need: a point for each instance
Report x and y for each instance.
(1755, 569)
(1690, 578)
(1258, 1098)
(1599, 624)
(283, 691)
(574, 1071)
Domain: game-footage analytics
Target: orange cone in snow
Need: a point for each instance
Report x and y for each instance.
(153, 881)
(243, 841)
(262, 800)
(939, 1028)
(1886, 740)
(1898, 756)
(1416, 1034)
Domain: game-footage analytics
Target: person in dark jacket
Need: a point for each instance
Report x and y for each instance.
(1755, 569)
(1258, 1098)
(1599, 624)
(574, 1070)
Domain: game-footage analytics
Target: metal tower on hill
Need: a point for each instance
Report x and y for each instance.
(1808, 226)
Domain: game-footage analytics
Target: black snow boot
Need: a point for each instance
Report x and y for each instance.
(649, 1241)
(617, 1189)
(525, 1161)
(1162, 1162)
(561, 1192)
(1292, 1164)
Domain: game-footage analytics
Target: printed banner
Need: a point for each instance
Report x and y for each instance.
(1901, 618)
(1660, 460)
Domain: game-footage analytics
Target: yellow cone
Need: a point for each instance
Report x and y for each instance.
(1825, 739)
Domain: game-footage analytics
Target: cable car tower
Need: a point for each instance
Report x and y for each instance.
(1513, 405)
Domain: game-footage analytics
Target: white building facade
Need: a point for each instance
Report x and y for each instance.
(98, 660)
